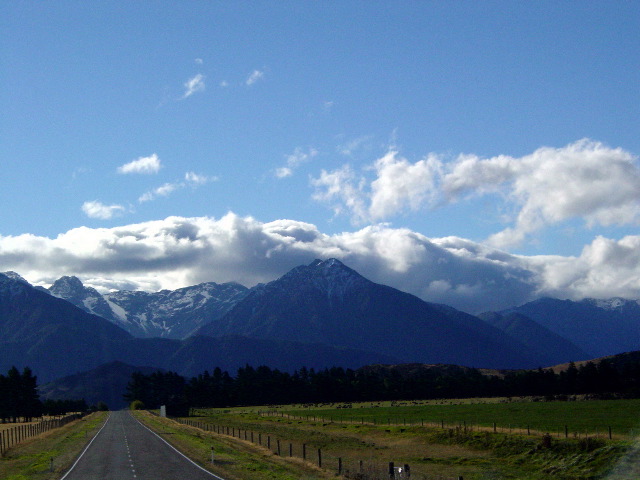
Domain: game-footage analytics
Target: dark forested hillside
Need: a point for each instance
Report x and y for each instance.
(263, 385)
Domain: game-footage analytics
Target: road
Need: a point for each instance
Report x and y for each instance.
(125, 449)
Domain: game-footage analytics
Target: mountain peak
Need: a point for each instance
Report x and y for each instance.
(12, 283)
(66, 286)
(14, 276)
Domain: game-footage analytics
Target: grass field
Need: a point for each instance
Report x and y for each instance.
(349, 433)
(580, 417)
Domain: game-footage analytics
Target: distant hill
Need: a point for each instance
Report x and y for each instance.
(549, 346)
(597, 327)
(106, 383)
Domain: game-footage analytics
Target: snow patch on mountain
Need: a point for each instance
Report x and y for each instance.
(615, 303)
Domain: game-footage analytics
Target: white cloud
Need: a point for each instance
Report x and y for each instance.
(399, 185)
(194, 85)
(254, 77)
(584, 180)
(344, 191)
(97, 209)
(161, 191)
(177, 251)
(294, 160)
(224, 84)
(191, 179)
(145, 165)
(198, 61)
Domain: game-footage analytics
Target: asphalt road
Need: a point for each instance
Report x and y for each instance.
(125, 449)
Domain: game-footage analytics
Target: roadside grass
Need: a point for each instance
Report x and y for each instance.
(453, 451)
(31, 459)
(234, 458)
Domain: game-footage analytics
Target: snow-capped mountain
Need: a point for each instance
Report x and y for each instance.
(88, 299)
(170, 314)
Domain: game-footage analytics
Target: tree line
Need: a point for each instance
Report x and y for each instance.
(19, 396)
(265, 386)
(20, 400)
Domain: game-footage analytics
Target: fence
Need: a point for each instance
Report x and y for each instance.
(347, 468)
(14, 435)
(558, 431)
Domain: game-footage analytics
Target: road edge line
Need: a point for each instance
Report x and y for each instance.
(86, 448)
(174, 448)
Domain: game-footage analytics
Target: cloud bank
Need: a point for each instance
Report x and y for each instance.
(585, 180)
(178, 251)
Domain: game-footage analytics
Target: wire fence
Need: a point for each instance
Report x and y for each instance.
(348, 468)
(9, 437)
(558, 431)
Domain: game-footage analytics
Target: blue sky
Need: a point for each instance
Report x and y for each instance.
(397, 136)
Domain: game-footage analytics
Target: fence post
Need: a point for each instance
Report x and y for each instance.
(319, 458)
(339, 465)
(291, 449)
(304, 451)
(392, 470)
(407, 471)
(278, 442)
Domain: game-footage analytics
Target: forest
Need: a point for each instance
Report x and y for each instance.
(267, 386)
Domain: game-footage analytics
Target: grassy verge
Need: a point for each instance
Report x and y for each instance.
(31, 460)
(234, 458)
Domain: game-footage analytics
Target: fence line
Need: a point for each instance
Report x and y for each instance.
(559, 431)
(12, 436)
(346, 468)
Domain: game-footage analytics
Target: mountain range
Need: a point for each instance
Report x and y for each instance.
(317, 315)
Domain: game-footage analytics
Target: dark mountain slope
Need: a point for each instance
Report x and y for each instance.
(327, 302)
(51, 335)
(597, 327)
(548, 345)
(57, 339)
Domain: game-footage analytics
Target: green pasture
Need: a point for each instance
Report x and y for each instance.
(623, 416)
